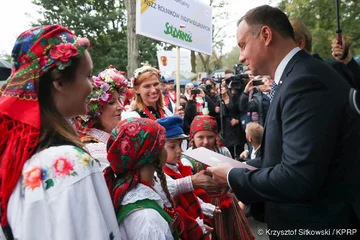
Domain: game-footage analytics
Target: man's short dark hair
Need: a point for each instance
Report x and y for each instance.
(269, 16)
(227, 71)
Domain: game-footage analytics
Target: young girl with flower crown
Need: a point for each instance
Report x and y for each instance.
(191, 208)
(136, 151)
(104, 108)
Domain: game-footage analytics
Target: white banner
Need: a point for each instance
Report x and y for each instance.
(183, 23)
(167, 61)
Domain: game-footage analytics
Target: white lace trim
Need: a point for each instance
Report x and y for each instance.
(99, 134)
(141, 192)
(207, 208)
(174, 167)
(201, 224)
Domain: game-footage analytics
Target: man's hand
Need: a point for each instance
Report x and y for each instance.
(208, 230)
(217, 211)
(244, 154)
(234, 122)
(249, 86)
(219, 174)
(203, 181)
(338, 51)
(242, 206)
(179, 111)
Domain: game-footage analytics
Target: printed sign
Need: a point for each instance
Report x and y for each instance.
(183, 23)
(167, 61)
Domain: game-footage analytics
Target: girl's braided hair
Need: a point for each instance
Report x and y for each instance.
(161, 176)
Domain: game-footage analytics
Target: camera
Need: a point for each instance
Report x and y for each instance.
(195, 91)
(238, 69)
(238, 81)
(208, 87)
(258, 82)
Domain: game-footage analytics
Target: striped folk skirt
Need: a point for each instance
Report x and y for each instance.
(232, 223)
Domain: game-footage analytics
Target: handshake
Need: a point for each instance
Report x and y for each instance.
(214, 179)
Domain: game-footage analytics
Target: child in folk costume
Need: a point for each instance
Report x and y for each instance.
(50, 187)
(135, 152)
(232, 223)
(104, 108)
(192, 209)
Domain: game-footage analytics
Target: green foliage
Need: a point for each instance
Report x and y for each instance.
(5, 56)
(320, 17)
(232, 58)
(104, 22)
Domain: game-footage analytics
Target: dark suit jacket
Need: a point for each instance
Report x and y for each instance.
(309, 176)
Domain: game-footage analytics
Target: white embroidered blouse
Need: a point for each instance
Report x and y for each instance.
(62, 194)
(144, 224)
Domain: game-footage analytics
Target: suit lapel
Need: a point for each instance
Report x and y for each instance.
(288, 69)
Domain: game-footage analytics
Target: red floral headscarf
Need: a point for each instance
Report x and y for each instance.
(36, 52)
(203, 123)
(206, 123)
(134, 143)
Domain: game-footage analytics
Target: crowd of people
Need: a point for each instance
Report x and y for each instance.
(100, 156)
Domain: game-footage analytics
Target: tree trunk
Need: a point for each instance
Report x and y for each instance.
(205, 61)
(193, 62)
(132, 40)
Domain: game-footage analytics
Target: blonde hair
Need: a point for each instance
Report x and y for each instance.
(255, 131)
(149, 72)
(301, 31)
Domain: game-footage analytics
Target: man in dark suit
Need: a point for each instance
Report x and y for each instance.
(309, 175)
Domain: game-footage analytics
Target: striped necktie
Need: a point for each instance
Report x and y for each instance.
(272, 90)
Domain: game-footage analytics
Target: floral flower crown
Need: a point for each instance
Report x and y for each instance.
(62, 52)
(142, 70)
(105, 83)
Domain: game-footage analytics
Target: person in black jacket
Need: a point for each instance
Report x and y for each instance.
(260, 100)
(309, 169)
(232, 132)
(303, 38)
(349, 61)
(197, 105)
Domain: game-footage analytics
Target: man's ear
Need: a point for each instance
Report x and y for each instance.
(266, 34)
(250, 139)
(301, 43)
(57, 80)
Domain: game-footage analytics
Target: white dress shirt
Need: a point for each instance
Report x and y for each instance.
(281, 67)
(253, 152)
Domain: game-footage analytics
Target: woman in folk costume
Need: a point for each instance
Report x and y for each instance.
(149, 102)
(104, 108)
(50, 187)
(232, 223)
(192, 209)
(136, 151)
